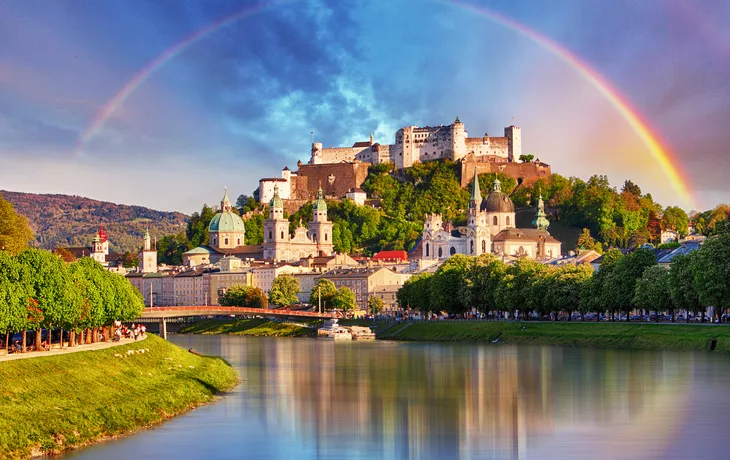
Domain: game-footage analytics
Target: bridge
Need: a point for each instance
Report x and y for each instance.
(165, 313)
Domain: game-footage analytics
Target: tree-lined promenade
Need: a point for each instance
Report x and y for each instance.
(39, 291)
(624, 284)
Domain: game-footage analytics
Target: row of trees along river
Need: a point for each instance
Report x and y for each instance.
(624, 283)
(38, 290)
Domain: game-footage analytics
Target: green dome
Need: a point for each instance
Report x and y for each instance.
(320, 204)
(226, 222)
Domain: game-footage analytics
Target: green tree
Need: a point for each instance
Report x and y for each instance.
(14, 294)
(674, 218)
(197, 229)
(130, 260)
(254, 229)
(327, 289)
(631, 188)
(15, 234)
(514, 289)
(344, 299)
(712, 272)
(284, 290)
(170, 249)
(416, 293)
(681, 283)
(375, 305)
(527, 158)
(620, 285)
(586, 241)
(245, 204)
(256, 298)
(481, 283)
(449, 282)
(653, 292)
(235, 296)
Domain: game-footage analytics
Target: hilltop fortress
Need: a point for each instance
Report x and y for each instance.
(415, 144)
(340, 171)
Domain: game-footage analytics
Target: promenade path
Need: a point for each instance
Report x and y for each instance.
(66, 350)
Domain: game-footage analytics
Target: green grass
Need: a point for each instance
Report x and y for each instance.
(596, 335)
(256, 327)
(52, 403)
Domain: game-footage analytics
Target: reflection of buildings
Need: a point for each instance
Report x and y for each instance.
(443, 401)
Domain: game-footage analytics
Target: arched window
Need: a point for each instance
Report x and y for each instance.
(494, 220)
(484, 247)
(325, 236)
(226, 241)
(282, 234)
(472, 246)
(507, 221)
(426, 249)
(440, 253)
(271, 235)
(314, 237)
(452, 251)
(238, 241)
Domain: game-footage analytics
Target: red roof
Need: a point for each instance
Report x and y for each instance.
(102, 233)
(391, 255)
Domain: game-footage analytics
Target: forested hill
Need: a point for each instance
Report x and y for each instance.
(65, 220)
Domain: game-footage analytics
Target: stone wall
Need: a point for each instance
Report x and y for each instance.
(336, 179)
(526, 173)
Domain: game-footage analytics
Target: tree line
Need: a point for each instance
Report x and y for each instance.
(623, 284)
(38, 290)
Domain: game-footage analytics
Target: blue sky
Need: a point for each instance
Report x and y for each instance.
(241, 103)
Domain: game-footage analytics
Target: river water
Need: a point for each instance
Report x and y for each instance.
(305, 399)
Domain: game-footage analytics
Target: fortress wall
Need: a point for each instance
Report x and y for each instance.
(529, 173)
(336, 179)
(339, 154)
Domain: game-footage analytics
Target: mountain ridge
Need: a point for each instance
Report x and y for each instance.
(59, 220)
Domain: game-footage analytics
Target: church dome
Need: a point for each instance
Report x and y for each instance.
(226, 222)
(497, 201)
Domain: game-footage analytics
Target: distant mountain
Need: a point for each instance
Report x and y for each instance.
(64, 220)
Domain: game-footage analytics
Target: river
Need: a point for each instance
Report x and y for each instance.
(305, 399)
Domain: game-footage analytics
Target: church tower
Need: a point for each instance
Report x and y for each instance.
(148, 255)
(97, 249)
(540, 222)
(276, 230)
(477, 235)
(320, 229)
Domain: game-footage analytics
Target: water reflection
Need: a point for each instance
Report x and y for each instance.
(316, 399)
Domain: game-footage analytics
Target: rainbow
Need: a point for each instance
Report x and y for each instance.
(640, 126)
(111, 106)
(667, 162)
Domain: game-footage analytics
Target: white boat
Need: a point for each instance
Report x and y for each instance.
(333, 331)
(362, 333)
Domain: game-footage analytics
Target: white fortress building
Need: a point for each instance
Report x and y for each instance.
(414, 144)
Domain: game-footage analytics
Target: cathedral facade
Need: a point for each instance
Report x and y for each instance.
(490, 229)
(279, 245)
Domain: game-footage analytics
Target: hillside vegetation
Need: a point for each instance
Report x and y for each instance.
(61, 402)
(64, 220)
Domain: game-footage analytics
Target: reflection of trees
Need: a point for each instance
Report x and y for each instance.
(445, 400)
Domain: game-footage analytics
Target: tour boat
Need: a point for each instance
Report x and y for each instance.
(333, 331)
(362, 333)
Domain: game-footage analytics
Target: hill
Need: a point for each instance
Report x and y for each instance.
(65, 220)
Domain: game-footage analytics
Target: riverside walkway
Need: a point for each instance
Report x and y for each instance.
(66, 350)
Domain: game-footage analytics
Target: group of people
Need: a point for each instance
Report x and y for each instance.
(121, 330)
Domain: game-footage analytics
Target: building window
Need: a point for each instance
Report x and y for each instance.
(452, 251)
(271, 235)
(226, 241)
(484, 247)
(282, 234)
(507, 221)
(325, 236)
(494, 220)
(426, 249)
(238, 241)
(472, 247)
(440, 253)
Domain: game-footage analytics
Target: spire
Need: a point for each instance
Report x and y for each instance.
(276, 200)
(371, 138)
(320, 204)
(225, 202)
(147, 240)
(541, 222)
(497, 187)
(457, 120)
(102, 233)
(476, 195)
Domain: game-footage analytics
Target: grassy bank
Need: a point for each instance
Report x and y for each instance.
(256, 327)
(53, 403)
(597, 335)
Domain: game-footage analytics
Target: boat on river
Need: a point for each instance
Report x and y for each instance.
(333, 331)
(362, 333)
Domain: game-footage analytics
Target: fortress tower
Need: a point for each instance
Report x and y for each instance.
(514, 142)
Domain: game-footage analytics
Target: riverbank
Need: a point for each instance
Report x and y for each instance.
(571, 334)
(255, 327)
(61, 402)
